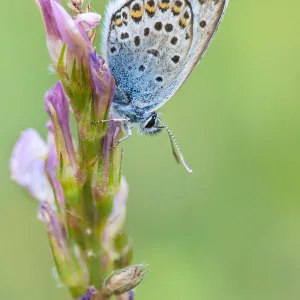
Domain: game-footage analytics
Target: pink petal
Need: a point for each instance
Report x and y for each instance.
(57, 99)
(88, 21)
(54, 39)
(27, 165)
(72, 34)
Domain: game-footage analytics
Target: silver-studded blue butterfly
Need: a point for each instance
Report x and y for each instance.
(151, 47)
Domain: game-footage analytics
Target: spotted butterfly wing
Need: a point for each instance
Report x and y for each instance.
(151, 46)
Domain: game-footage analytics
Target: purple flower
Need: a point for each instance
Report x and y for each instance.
(57, 107)
(27, 165)
(131, 295)
(33, 166)
(89, 294)
(71, 32)
(54, 39)
(80, 69)
(81, 190)
(61, 29)
(55, 229)
(103, 85)
(72, 269)
(52, 163)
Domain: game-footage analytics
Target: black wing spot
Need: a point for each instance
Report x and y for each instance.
(146, 31)
(186, 15)
(113, 49)
(202, 24)
(158, 26)
(159, 79)
(142, 68)
(124, 35)
(153, 52)
(168, 27)
(174, 40)
(175, 59)
(136, 7)
(137, 40)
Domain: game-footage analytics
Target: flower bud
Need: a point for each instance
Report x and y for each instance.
(70, 265)
(51, 166)
(57, 107)
(124, 280)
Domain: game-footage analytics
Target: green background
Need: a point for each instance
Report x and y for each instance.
(229, 231)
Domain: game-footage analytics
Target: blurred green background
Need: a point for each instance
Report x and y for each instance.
(229, 231)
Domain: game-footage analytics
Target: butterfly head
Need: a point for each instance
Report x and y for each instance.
(150, 124)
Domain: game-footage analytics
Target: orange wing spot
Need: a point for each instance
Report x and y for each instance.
(164, 6)
(136, 14)
(182, 22)
(149, 8)
(118, 22)
(177, 9)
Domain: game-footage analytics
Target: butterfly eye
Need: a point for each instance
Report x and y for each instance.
(152, 122)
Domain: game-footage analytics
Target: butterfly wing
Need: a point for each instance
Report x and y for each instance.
(151, 46)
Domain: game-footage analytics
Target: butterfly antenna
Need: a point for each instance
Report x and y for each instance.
(175, 147)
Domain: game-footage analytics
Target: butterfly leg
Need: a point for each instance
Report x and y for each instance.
(110, 120)
(128, 135)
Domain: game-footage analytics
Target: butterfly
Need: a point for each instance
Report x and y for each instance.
(151, 47)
